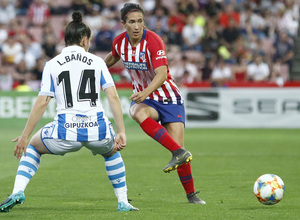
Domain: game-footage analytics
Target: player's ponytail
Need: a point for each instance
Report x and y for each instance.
(76, 30)
(77, 17)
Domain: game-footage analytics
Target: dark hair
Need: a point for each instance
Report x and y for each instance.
(76, 30)
(130, 7)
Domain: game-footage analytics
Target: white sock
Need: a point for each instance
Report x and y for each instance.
(27, 168)
(115, 169)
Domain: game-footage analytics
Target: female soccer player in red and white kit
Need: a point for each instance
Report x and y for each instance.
(155, 98)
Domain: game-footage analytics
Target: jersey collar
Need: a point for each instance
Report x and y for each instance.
(73, 48)
(143, 37)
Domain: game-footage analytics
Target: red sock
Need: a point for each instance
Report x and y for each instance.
(185, 175)
(159, 133)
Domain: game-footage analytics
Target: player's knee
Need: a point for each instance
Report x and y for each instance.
(37, 143)
(142, 112)
(110, 154)
(37, 147)
(135, 114)
(139, 117)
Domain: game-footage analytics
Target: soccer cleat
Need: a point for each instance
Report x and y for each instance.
(193, 198)
(12, 200)
(122, 207)
(180, 157)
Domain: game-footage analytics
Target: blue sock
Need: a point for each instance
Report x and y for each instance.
(115, 169)
(27, 168)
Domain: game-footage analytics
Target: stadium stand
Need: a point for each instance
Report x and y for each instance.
(259, 25)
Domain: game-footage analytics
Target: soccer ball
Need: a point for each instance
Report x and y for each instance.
(269, 189)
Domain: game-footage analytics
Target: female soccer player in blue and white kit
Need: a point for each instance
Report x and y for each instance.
(74, 78)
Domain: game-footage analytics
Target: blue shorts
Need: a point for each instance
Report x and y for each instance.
(166, 112)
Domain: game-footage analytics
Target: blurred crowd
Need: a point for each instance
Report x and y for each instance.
(215, 41)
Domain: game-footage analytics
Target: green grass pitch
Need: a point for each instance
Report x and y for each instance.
(226, 162)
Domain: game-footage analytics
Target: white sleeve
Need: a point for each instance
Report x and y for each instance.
(106, 80)
(47, 84)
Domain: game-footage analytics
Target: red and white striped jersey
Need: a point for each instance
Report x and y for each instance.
(142, 60)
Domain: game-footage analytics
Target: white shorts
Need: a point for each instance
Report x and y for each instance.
(61, 147)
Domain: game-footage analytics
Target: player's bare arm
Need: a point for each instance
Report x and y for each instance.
(115, 106)
(34, 117)
(110, 60)
(159, 79)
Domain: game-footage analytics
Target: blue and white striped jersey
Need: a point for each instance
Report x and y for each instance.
(74, 78)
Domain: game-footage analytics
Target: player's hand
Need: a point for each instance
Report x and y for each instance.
(120, 141)
(138, 97)
(20, 147)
